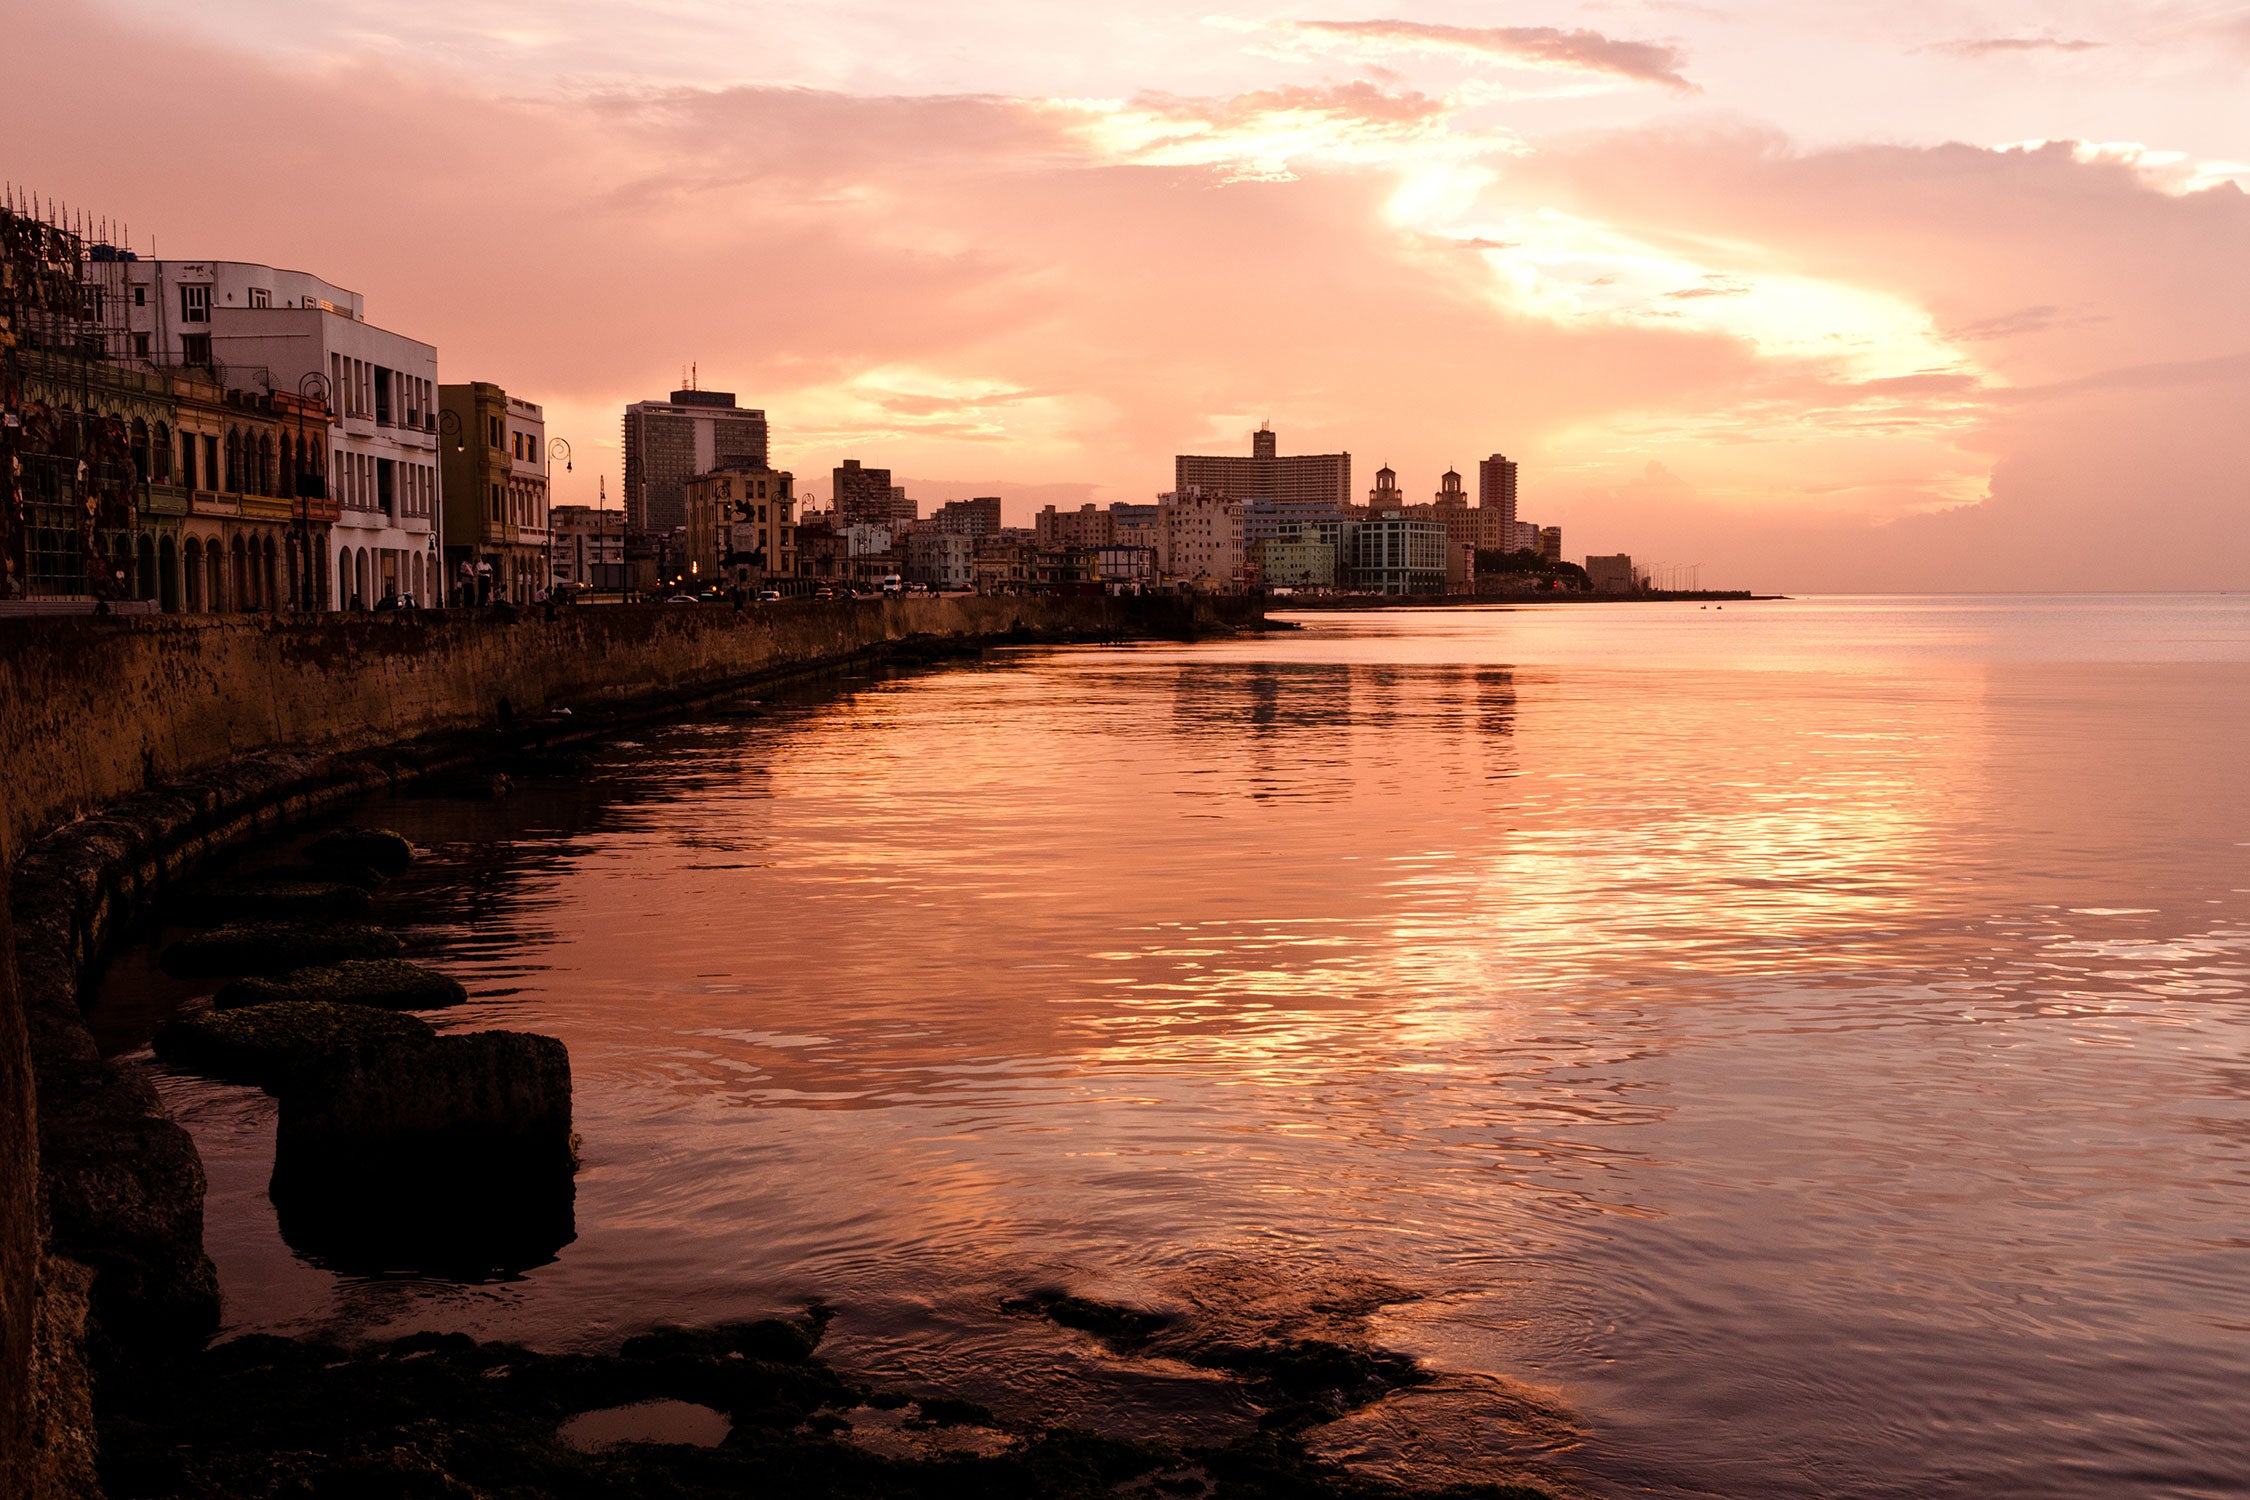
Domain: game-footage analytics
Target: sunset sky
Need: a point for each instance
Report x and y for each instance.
(1915, 295)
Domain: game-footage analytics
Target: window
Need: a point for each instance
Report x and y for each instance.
(140, 296)
(495, 421)
(140, 346)
(195, 348)
(195, 304)
(261, 297)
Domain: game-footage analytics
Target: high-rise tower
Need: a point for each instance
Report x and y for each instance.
(667, 443)
(1496, 489)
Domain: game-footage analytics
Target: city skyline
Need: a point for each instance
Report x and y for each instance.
(1796, 332)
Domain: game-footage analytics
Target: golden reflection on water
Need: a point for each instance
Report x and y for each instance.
(1806, 1037)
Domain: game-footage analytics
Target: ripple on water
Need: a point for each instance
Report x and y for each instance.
(1798, 1049)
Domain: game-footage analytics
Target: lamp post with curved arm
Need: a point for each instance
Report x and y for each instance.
(449, 430)
(312, 484)
(556, 448)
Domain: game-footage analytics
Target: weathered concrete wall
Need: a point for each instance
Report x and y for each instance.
(91, 710)
(165, 737)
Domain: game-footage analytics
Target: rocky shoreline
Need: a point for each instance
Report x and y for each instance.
(317, 1007)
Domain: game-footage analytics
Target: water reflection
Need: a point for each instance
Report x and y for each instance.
(1808, 1041)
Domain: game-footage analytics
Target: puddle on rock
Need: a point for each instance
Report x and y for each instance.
(681, 1422)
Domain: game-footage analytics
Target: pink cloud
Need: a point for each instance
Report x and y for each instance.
(974, 284)
(1531, 46)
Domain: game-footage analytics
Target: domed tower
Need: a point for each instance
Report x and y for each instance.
(1450, 495)
(1385, 495)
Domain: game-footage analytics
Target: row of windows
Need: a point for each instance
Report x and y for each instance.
(398, 489)
(358, 388)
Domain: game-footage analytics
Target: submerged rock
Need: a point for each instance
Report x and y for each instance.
(274, 947)
(301, 872)
(391, 983)
(452, 1156)
(275, 1045)
(212, 902)
(376, 848)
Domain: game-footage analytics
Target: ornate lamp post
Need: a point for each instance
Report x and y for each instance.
(312, 484)
(556, 448)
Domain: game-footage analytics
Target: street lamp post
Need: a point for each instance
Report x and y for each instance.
(556, 448)
(312, 484)
(449, 427)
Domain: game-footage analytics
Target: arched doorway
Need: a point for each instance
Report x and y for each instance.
(271, 589)
(239, 597)
(168, 576)
(215, 577)
(145, 584)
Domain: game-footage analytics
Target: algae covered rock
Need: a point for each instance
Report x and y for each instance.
(213, 902)
(376, 848)
(280, 1044)
(274, 947)
(391, 983)
(453, 1157)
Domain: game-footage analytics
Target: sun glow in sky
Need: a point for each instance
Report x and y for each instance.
(1927, 295)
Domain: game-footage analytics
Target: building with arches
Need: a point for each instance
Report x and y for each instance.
(295, 358)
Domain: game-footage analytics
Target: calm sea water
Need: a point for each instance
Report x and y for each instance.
(1802, 1045)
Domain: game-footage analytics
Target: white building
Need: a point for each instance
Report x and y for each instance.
(1396, 553)
(862, 540)
(1199, 537)
(589, 546)
(259, 328)
(941, 559)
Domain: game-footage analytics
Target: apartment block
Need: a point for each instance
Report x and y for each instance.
(668, 443)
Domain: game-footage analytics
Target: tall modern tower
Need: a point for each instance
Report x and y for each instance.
(1274, 492)
(1496, 490)
(668, 443)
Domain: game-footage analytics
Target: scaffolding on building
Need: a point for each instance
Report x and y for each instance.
(73, 483)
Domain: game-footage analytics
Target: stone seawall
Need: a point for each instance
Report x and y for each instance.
(132, 748)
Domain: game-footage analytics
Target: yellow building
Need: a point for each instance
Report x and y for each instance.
(741, 527)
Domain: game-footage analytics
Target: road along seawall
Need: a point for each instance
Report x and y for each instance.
(132, 749)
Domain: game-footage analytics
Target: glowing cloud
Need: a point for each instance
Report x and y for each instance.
(1545, 47)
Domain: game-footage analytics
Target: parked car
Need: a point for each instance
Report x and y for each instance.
(683, 599)
(769, 596)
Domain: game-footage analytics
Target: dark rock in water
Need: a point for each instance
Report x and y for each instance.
(212, 902)
(274, 948)
(304, 872)
(431, 1415)
(1125, 1329)
(376, 848)
(124, 1191)
(454, 1156)
(473, 786)
(392, 983)
(276, 1044)
(552, 763)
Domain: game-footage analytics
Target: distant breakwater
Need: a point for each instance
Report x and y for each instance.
(135, 748)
